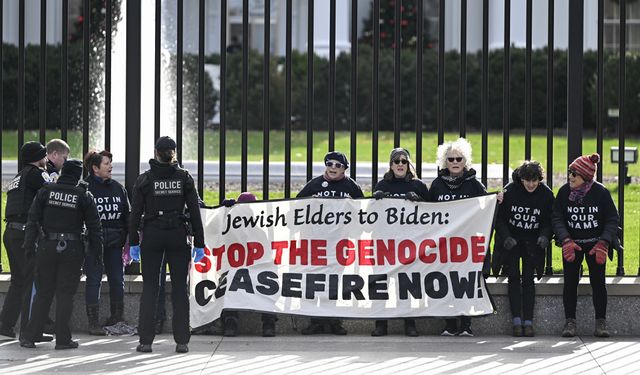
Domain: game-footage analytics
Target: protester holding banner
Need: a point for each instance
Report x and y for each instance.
(332, 184)
(523, 231)
(57, 218)
(161, 194)
(456, 180)
(585, 221)
(20, 193)
(113, 206)
(400, 181)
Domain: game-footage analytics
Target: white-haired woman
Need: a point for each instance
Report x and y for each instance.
(456, 180)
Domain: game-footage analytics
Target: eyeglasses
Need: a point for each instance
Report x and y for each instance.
(573, 173)
(332, 164)
(400, 161)
(456, 159)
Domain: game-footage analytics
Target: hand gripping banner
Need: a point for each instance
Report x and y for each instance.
(346, 258)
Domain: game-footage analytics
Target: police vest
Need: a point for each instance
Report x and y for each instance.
(166, 194)
(63, 204)
(19, 196)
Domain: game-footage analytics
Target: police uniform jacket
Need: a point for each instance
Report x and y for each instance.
(64, 207)
(22, 190)
(161, 194)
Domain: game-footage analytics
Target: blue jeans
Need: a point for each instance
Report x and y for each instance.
(114, 269)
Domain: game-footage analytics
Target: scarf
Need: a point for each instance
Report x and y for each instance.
(455, 182)
(578, 193)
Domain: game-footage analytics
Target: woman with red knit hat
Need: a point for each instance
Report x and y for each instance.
(585, 221)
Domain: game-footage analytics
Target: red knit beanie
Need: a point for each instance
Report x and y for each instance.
(586, 166)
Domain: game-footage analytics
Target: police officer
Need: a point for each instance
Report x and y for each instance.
(57, 152)
(161, 194)
(20, 194)
(59, 212)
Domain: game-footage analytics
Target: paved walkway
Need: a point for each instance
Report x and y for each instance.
(354, 354)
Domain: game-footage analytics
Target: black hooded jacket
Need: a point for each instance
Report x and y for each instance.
(523, 215)
(467, 186)
(398, 187)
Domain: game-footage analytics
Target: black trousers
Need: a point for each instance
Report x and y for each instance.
(57, 273)
(171, 245)
(596, 278)
(21, 289)
(522, 290)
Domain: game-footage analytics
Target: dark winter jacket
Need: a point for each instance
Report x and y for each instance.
(398, 187)
(320, 188)
(465, 186)
(593, 218)
(113, 207)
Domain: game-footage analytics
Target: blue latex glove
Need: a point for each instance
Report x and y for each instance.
(197, 254)
(134, 252)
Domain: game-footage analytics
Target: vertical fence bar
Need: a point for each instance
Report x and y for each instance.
(375, 110)
(600, 111)
(287, 103)
(419, 61)
(179, 63)
(1, 102)
(201, 119)
(397, 84)
(86, 34)
(574, 79)
(107, 73)
(462, 115)
(550, 115)
(310, 57)
(245, 95)
(621, 94)
(528, 91)
(133, 78)
(332, 74)
(21, 91)
(266, 109)
(506, 92)
(223, 100)
(440, 112)
(42, 111)
(484, 105)
(157, 71)
(64, 79)
(354, 87)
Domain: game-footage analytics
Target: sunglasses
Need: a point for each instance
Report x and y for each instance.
(400, 161)
(332, 164)
(573, 173)
(456, 159)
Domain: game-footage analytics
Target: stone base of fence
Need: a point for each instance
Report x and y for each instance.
(624, 297)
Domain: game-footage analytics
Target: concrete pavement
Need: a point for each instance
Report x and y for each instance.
(353, 354)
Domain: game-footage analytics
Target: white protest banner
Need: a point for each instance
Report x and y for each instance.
(361, 258)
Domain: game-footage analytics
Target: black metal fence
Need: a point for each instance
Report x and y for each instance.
(133, 81)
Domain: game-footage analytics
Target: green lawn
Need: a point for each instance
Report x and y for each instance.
(385, 139)
(631, 224)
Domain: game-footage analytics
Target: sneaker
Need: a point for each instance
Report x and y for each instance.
(569, 328)
(381, 328)
(337, 328)
(7, 331)
(143, 348)
(313, 328)
(450, 328)
(49, 327)
(43, 338)
(601, 328)
(69, 345)
(465, 331)
(528, 331)
(182, 348)
(230, 327)
(517, 331)
(268, 328)
(410, 328)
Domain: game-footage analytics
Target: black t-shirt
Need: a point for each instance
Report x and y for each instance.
(112, 202)
(398, 187)
(320, 188)
(525, 215)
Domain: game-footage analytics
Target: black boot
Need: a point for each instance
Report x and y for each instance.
(410, 328)
(117, 312)
(92, 316)
(381, 328)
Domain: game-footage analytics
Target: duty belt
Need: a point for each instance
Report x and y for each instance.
(16, 225)
(63, 236)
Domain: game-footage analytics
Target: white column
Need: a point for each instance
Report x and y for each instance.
(321, 29)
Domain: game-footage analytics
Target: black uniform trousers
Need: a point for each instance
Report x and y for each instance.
(522, 290)
(19, 296)
(596, 279)
(57, 273)
(172, 245)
